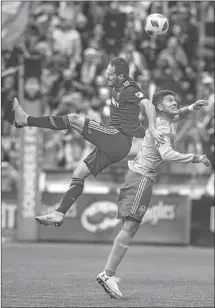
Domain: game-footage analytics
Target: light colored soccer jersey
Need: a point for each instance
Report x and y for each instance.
(153, 155)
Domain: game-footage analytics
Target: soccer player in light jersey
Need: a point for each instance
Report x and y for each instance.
(136, 190)
(112, 143)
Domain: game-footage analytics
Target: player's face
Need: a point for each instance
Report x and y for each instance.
(169, 105)
(111, 76)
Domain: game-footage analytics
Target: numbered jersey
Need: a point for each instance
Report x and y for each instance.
(125, 109)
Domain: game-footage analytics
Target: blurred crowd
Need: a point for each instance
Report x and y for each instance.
(76, 40)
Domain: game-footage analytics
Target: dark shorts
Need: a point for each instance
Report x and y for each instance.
(111, 145)
(135, 195)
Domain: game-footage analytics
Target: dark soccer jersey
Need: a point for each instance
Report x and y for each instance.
(125, 109)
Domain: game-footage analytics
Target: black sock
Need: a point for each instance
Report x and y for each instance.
(56, 123)
(75, 190)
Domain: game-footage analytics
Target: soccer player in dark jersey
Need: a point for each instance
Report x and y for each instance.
(112, 143)
(136, 190)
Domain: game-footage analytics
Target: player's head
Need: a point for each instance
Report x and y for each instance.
(165, 103)
(117, 72)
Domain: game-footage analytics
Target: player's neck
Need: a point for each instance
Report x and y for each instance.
(166, 117)
(119, 85)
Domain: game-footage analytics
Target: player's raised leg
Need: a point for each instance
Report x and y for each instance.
(52, 122)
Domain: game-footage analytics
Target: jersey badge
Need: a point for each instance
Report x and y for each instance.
(139, 94)
(142, 209)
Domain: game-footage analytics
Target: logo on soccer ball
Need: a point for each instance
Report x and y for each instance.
(156, 25)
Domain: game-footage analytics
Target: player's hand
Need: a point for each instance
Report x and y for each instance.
(202, 159)
(199, 104)
(205, 160)
(159, 137)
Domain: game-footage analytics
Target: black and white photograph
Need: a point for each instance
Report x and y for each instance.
(107, 153)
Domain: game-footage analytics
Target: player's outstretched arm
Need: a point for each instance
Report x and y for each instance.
(151, 115)
(183, 112)
(168, 154)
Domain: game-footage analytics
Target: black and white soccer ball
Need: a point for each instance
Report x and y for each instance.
(156, 25)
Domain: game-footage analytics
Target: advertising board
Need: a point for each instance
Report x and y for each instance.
(93, 218)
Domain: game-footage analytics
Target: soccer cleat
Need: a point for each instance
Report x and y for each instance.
(55, 218)
(110, 285)
(19, 114)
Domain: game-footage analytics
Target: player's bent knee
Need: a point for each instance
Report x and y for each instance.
(81, 171)
(130, 227)
(76, 121)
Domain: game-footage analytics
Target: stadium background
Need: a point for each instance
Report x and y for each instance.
(73, 43)
(66, 47)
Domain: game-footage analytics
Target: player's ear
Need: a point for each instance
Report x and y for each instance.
(159, 107)
(121, 77)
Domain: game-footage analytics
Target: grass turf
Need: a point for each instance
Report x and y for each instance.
(64, 275)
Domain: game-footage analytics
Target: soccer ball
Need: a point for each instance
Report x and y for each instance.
(156, 25)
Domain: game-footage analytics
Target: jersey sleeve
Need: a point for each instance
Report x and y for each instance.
(168, 154)
(166, 149)
(133, 95)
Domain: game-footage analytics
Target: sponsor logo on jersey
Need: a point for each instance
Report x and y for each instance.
(100, 216)
(139, 94)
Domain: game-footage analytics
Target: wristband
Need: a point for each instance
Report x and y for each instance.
(191, 107)
(195, 159)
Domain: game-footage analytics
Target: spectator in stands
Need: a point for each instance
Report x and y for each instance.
(206, 120)
(135, 60)
(114, 25)
(73, 38)
(90, 68)
(98, 36)
(8, 91)
(174, 55)
(53, 147)
(67, 41)
(9, 177)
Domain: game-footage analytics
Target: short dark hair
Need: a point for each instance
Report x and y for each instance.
(121, 66)
(159, 95)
